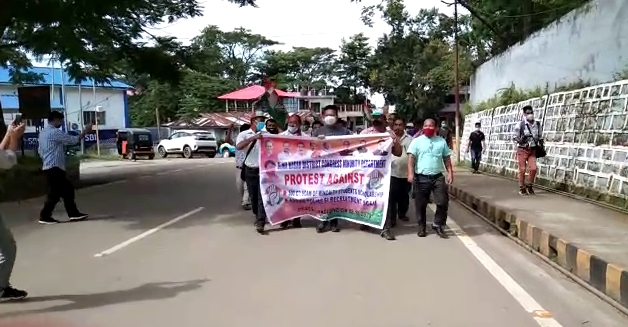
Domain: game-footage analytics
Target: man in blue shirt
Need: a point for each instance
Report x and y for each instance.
(429, 157)
(52, 143)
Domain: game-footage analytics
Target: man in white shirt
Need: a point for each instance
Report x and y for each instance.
(249, 142)
(399, 197)
(10, 143)
(240, 183)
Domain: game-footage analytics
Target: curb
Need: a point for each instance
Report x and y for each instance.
(606, 277)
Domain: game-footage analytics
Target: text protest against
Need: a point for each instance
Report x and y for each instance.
(337, 177)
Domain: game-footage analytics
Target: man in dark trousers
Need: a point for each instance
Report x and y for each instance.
(52, 143)
(476, 147)
(330, 118)
(429, 158)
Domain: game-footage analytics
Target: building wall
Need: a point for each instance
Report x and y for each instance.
(585, 132)
(588, 44)
(113, 103)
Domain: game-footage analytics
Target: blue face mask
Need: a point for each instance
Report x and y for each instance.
(260, 126)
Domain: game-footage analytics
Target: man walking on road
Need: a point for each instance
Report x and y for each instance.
(476, 147)
(52, 143)
(240, 183)
(330, 117)
(294, 129)
(528, 135)
(380, 125)
(399, 197)
(10, 143)
(249, 142)
(427, 155)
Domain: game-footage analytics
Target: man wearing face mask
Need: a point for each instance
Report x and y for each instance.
(249, 142)
(446, 133)
(241, 184)
(528, 135)
(426, 155)
(476, 147)
(380, 126)
(330, 117)
(294, 129)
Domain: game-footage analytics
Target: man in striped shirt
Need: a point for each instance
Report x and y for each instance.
(10, 143)
(52, 143)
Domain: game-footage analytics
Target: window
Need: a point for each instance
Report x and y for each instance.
(34, 122)
(316, 107)
(89, 117)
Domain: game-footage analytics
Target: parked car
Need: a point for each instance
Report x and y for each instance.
(227, 150)
(188, 143)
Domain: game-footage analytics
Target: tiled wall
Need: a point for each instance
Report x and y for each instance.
(585, 135)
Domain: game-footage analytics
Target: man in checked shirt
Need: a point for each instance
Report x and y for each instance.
(52, 143)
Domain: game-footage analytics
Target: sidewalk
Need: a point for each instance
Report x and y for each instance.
(588, 240)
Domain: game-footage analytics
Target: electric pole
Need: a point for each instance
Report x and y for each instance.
(457, 82)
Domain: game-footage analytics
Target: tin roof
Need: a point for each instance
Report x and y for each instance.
(224, 119)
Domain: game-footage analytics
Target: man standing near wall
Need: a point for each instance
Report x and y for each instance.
(476, 147)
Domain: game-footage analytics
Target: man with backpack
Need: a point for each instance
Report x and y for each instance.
(528, 136)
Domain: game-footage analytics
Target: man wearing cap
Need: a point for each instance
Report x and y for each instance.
(380, 126)
(249, 142)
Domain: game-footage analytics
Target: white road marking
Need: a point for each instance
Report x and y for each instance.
(529, 304)
(147, 233)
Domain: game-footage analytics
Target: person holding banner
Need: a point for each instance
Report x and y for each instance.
(399, 197)
(294, 129)
(380, 126)
(427, 155)
(249, 142)
(330, 117)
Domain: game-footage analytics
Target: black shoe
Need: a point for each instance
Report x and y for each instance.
(387, 234)
(284, 225)
(79, 217)
(260, 229)
(12, 294)
(439, 231)
(530, 190)
(523, 191)
(422, 232)
(48, 221)
(322, 226)
(334, 227)
(246, 207)
(296, 223)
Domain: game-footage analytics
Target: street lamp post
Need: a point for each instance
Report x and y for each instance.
(98, 109)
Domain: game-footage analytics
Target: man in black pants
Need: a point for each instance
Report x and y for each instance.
(52, 143)
(428, 158)
(249, 142)
(476, 147)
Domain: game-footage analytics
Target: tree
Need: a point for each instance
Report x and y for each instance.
(353, 66)
(241, 49)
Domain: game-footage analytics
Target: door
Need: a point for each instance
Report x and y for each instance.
(172, 143)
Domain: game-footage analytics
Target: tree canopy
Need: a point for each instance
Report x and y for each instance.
(411, 65)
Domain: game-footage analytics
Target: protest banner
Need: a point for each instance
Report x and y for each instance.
(344, 177)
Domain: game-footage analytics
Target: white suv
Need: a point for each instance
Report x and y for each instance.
(188, 143)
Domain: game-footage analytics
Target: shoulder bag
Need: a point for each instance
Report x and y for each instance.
(243, 169)
(540, 147)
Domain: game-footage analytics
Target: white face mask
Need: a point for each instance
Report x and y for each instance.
(530, 117)
(292, 129)
(329, 120)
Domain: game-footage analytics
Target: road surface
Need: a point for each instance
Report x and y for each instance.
(169, 246)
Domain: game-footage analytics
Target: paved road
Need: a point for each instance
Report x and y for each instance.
(209, 268)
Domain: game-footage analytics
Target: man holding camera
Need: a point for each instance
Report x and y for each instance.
(52, 143)
(10, 143)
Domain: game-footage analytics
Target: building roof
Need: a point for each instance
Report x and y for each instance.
(10, 101)
(224, 119)
(52, 76)
(252, 92)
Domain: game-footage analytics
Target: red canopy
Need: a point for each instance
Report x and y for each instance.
(250, 93)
